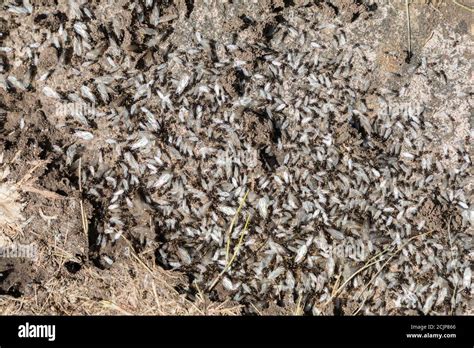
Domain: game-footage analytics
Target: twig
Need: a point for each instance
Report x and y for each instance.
(153, 287)
(338, 280)
(407, 4)
(453, 299)
(44, 193)
(27, 177)
(202, 297)
(464, 6)
(109, 304)
(85, 226)
(449, 238)
(431, 35)
(26, 183)
(256, 309)
(435, 8)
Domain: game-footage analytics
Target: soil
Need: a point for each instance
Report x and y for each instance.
(67, 253)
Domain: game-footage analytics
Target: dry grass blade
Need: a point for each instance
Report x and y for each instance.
(386, 263)
(239, 244)
(372, 261)
(299, 308)
(339, 289)
(154, 275)
(234, 255)
(110, 305)
(234, 220)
